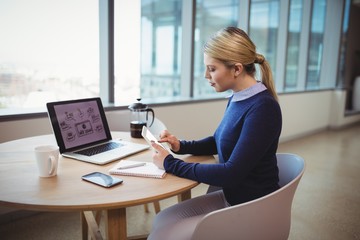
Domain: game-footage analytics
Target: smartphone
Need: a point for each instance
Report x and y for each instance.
(148, 136)
(102, 179)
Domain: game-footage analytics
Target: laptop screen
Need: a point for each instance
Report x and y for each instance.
(78, 123)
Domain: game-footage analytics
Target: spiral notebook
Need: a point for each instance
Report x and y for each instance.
(148, 169)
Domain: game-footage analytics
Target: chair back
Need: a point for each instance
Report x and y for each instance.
(268, 217)
(289, 169)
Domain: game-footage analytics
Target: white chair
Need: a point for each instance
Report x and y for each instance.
(267, 218)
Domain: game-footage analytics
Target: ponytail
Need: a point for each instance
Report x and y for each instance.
(266, 75)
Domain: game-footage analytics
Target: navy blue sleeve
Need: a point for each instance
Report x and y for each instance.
(206, 146)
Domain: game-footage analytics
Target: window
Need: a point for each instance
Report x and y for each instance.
(263, 30)
(293, 46)
(211, 16)
(127, 51)
(160, 48)
(316, 44)
(45, 54)
(344, 42)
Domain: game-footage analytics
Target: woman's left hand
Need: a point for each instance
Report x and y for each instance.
(159, 155)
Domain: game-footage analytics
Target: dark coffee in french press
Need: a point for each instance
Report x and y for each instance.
(140, 118)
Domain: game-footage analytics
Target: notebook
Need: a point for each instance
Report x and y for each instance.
(82, 132)
(144, 169)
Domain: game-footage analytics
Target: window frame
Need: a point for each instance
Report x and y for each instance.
(329, 65)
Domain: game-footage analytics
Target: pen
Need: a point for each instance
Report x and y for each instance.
(132, 165)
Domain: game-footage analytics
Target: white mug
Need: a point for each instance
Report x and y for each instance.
(47, 158)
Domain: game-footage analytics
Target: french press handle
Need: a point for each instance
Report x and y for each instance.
(147, 116)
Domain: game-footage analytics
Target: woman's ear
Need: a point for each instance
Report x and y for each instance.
(238, 68)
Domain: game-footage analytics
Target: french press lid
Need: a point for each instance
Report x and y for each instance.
(138, 106)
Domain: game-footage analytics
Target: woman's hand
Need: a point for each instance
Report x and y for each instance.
(159, 155)
(167, 137)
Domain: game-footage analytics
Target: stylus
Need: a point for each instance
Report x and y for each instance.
(132, 165)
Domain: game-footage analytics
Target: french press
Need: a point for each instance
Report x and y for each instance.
(140, 118)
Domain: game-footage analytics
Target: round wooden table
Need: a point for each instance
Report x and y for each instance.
(22, 188)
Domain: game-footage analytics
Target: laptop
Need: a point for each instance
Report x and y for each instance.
(82, 132)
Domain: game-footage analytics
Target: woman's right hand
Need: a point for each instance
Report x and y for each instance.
(166, 136)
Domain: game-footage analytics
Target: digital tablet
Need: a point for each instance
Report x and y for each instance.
(148, 136)
(102, 179)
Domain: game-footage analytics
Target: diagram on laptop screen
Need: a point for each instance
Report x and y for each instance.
(80, 123)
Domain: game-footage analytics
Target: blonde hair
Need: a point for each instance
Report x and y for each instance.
(232, 45)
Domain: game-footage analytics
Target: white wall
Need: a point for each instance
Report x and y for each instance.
(303, 113)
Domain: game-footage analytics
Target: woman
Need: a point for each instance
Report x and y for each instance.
(246, 139)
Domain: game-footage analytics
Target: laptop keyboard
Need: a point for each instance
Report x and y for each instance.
(99, 149)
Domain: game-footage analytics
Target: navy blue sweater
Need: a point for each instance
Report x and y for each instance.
(246, 142)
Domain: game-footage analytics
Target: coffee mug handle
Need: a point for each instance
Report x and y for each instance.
(153, 116)
(53, 164)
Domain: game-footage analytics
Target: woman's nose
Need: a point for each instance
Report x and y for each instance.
(206, 74)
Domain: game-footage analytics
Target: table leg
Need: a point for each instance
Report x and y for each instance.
(184, 196)
(92, 225)
(157, 206)
(115, 224)
(84, 226)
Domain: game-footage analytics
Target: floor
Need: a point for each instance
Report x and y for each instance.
(326, 204)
